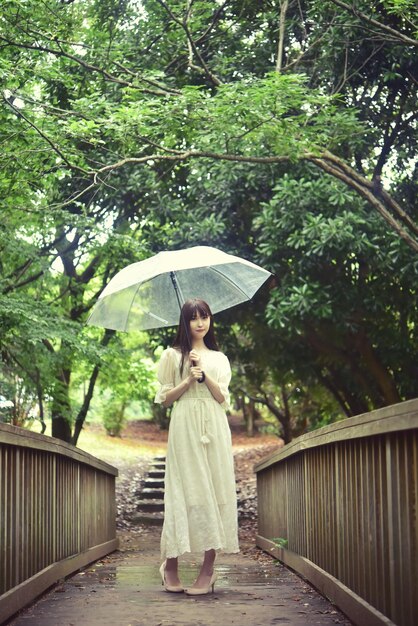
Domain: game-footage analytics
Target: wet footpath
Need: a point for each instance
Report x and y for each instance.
(124, 589)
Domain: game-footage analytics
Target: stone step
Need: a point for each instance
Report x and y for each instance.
(156, 494)
(151, 519)
(150, 505)
(156, 474)
(153, 483)
(159, 467)
(150, 509)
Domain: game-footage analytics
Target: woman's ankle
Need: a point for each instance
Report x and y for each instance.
(205, 573)
(208, 563)
(171, 565)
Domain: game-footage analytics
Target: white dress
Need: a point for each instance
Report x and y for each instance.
(200, 503)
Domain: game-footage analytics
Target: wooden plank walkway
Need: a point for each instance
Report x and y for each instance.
(124, 589)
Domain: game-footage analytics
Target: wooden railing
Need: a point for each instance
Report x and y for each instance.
(340, 506)
(57, 514)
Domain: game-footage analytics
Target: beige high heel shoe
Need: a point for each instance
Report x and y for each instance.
(201, 591)
(170, 588)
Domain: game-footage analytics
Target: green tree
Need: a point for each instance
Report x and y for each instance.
(130, 127)
(128, 373)
(188, 95)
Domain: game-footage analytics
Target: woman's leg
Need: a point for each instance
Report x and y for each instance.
(206, 570)
(171, 572)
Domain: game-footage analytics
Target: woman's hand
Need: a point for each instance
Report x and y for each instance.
(196, 372)
(194, 358)
(195, 368)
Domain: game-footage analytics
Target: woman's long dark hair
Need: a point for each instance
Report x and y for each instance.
(183, 339)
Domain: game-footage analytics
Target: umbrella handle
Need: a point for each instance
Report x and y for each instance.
(202, 378)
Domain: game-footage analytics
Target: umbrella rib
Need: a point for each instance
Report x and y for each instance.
(144, 311)
(131, 305)
(231, 282)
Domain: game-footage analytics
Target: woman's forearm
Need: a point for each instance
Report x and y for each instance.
(174, 394)
(214, 388)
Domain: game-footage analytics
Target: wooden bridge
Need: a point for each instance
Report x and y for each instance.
(338, 505)
(57, 513)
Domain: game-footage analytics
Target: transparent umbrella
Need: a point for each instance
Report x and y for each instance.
(150, 293)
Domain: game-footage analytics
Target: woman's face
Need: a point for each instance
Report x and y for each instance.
(199, 325)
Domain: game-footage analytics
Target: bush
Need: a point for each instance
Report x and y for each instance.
(114, 417)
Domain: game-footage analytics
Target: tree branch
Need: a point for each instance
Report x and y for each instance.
(383, 27)
(55, 148)
(191, 43)
(348, 74)
(370, 197)
(282, 23)
(379, 193)
(391, 135)
(325, 161)
(162, 91)
(307, 50)
(177, 155)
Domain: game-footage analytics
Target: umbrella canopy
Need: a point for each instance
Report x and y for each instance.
(149, 294)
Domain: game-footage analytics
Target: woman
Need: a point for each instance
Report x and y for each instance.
(200, 509)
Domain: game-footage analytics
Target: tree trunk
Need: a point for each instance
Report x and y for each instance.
(89, 395)
(61, 428)
(249, 422)
(286, 418)
(86, 404)
(160, 416)
(61, 407)
(283, 417)
(368, 394)
(383, 379)
(352, 403)
(39, 392)
(282, 24)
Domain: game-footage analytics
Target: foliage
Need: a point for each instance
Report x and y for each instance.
(132, 127)
(337, 274)
(114, 417)
(128, 373)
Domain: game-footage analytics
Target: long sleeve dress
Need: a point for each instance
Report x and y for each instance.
(200, 504)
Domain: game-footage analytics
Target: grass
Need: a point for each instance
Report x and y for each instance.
(116, 449)
(113, 450)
